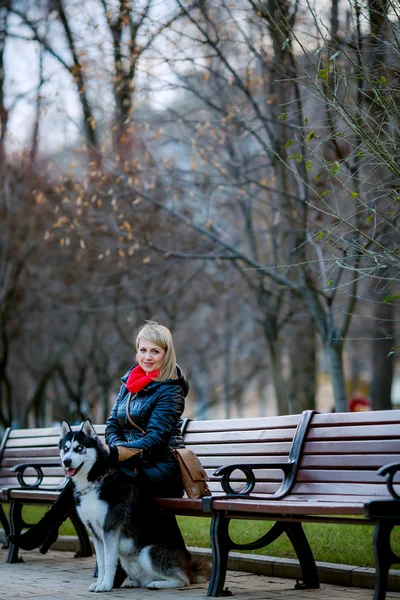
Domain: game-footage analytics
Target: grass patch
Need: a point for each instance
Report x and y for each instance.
(349, 545)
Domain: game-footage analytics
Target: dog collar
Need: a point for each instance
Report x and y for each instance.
(92, 486)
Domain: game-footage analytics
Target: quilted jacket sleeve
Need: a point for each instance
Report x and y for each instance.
(163, 420)
(114, 434)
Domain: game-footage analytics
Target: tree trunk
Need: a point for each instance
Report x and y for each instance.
(335, 353)
(381, 347)
(278, 379)
(302, 358)
(105, 409)
(200, 384)
(89, 122)
(3, 110)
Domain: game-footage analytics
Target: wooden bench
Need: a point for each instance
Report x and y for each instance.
(289, 470)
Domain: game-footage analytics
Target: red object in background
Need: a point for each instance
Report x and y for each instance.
(359, 404)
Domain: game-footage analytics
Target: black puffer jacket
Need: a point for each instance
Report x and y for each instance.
(157, 409)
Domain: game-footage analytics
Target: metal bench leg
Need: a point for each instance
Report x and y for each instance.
(85, 546)
(6, 526)
(220, 544)
(384, 557)
(16, 524)
(296, 535)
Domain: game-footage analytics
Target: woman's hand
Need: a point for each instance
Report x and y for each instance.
(112, 451)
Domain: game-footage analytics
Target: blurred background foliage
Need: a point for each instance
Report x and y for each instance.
(230, 169)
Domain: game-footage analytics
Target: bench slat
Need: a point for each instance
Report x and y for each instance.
(354, 418)
(48, 481)
(351, 447)
(47, 472)
(233, 437)
(350, 506)
(263, 449)
(353, 432)
(346, 489)
(47, 432)
(367, 461)
(242, 424)
(35, 442)
(339, 476)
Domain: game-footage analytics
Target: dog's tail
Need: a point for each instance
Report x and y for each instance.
(200, 570)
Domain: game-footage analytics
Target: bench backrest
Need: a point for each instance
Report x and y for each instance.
(342, 448)
(216, 442)
(240, 441)
(342, 454)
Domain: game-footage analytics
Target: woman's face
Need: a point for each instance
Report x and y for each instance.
(149, 356)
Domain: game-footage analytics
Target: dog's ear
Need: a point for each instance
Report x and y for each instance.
(65, 428)
(88, 429)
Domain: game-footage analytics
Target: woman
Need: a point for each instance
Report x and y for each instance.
(144, 425)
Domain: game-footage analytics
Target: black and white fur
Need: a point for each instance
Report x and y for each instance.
(125, 525)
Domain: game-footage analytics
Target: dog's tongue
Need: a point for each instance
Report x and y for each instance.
(70, 472)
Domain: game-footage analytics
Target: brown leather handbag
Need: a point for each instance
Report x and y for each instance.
(194, 477)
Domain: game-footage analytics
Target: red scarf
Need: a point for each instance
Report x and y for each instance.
(138, 379)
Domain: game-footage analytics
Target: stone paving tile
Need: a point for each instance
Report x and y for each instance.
(60, 575)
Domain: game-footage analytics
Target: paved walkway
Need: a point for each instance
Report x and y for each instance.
(60, 575)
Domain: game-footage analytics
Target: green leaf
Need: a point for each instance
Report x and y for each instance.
(299, 157)
(335, 168)
(320, 235)
(288, 143)
(329, 282)
(387, 298)
(323, 74)
(324, 193)
(368, 219)
(354, 194)
(382, 80)
(310, 136)
(308, 165)
(282, 117)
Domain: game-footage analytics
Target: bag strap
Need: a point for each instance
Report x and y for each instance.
(184, 422)
(129, 417)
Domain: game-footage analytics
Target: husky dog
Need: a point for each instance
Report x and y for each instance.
(125, 524)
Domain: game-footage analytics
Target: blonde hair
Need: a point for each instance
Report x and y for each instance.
(161, 336)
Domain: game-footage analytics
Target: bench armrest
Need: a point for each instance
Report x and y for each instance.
(20, 471)
(388, 472)
(247, 469)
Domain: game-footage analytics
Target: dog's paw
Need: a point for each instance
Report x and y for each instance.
(103, 587)
(92, 588)
(131, 583)
(154, 585)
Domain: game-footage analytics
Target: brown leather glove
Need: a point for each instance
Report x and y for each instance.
(125, 453)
